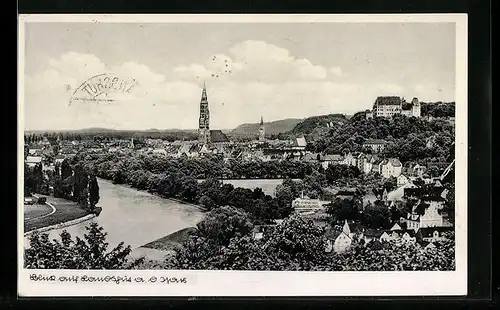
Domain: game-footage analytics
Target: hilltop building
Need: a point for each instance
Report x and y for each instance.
(388, 106)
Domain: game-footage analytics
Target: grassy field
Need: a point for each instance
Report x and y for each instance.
(172, 241)
(36, 210)
(65, 211)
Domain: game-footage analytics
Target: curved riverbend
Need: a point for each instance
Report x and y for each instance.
(136, 217)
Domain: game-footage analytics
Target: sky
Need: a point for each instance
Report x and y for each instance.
(277, 71)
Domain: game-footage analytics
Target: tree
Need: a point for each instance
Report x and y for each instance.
(390, 184)
(296, 238)
(29, 180)
(87, 253)
(66, 170)
(284, 199)
(93, 192)
(433, 171)
(206, 202)
(80, 186)
(342, 209)
(376, 215)
(66, 178)
(189, 188)
(221, 224)
(38, 177)
(295, 244)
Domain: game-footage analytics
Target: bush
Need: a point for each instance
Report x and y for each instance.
(42, 200)
(88, 253)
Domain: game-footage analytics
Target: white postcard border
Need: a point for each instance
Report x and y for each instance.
(255, 283)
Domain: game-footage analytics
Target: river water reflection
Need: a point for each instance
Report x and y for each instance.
(136, 217)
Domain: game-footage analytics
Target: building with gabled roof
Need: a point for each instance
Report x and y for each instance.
(377, 145)
(427, 212)
(433, 234)
(375, 234)
(390, 167)
(339, 240)
(32, 161)
(327, 160)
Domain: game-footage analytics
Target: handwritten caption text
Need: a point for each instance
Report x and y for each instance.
(107, 279)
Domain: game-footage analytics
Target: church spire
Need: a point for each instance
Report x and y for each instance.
(262, 130)
(204, 120)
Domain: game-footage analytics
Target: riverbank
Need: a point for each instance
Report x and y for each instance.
(62, 212)
(172, 241)
(62, 225)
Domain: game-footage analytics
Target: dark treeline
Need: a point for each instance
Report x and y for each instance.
(105, 134)
(68, 181)
(437, 109)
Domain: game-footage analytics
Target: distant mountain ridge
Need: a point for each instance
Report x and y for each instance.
(274, 127)
(110, 130)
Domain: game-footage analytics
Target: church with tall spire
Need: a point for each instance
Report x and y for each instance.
(206, 136)
(204, 120)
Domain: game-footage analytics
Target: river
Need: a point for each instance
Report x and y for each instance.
(136, 217)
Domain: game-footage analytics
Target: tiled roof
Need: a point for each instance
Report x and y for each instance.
(185, 148)
(388, 100)
(310, 157)
(194, 148)
(332, 157)
(300, 142)
(410, 232)
(33, 159)
(217, 136)
(374, 141)
(376, 233)
(402, 227)
(428, 231)
(395, 162)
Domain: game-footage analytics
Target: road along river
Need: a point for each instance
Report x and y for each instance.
(135, 217)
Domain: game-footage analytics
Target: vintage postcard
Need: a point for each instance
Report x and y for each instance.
(242, 155)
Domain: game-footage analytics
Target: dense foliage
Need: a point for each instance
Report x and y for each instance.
(72, 182)
(66, 253)
(298, 244)
(108, 134)
(407, 137)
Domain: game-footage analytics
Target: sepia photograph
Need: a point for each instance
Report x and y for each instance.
(185, 147)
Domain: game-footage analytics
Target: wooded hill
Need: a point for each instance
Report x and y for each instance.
(272, 128)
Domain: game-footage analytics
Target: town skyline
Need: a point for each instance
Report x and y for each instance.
(275, 71)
